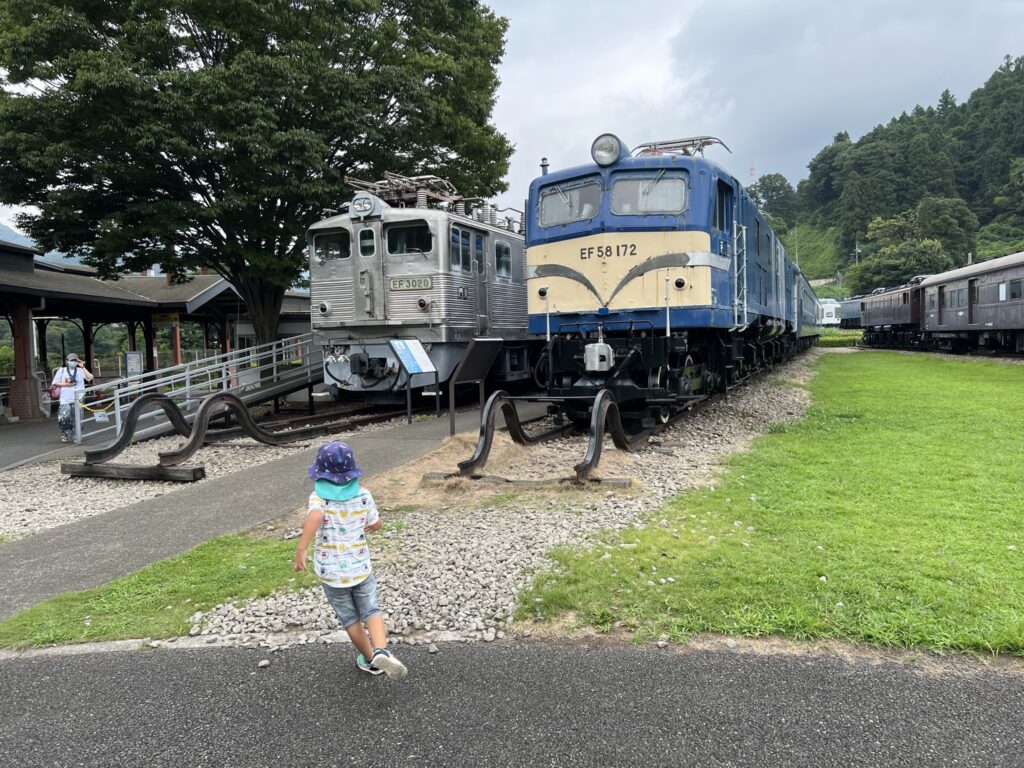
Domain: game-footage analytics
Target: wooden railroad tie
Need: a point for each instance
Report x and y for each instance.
(179, 474)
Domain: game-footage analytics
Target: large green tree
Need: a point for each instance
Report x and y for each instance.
(194, 133)
(895, 264)
(776, 198)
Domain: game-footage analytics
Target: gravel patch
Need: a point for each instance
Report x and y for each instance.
(450, 570)
(36, 497)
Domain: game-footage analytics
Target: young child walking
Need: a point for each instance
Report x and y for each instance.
(340, 514)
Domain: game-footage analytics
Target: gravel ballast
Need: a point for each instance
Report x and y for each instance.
(453, 572)
(37, 497)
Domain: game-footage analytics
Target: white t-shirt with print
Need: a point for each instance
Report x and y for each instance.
(67, 394)
(341, 556)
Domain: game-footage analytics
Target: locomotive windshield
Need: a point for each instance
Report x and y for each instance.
(654, 194)
(410, 238)
(337, 245)
(570, 201)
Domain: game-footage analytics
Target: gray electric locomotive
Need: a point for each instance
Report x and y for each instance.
(432, 271)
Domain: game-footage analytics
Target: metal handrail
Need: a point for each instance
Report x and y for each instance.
(240, 371)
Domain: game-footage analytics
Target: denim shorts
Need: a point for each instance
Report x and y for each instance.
(354, 604)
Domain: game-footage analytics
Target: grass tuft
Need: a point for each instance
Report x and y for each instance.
(158, 600)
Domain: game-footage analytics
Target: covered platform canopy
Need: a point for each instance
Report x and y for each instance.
(35, 291)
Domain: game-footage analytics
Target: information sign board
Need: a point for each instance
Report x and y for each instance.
(412, 355)
(132, 363)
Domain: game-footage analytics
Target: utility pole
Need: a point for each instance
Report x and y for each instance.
(796, 234)
(856, 251)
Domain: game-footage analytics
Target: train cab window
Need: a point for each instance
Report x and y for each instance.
(722, 217)
(367, 243)
(467, 255)
(906, 298)
(409, 238)
(478, 253)
(562, 203)
(1016, 289)
(460, 253)
(931, 301)
(654, 194)
(502, 259)
(455, 249)
(337, 245)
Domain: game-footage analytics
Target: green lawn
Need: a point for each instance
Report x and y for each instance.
(892, 515)
(157, 601)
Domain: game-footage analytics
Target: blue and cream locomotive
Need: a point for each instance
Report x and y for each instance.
(653, 275)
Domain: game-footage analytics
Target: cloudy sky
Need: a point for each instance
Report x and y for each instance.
(774, 80)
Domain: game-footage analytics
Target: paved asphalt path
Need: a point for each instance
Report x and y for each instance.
(504, 705)
(96, 549)
(28, 441)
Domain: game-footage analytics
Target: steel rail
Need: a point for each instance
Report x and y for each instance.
(502, 402)
(169, 407)
(605, 415)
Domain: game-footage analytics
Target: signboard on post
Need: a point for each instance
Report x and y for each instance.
(414, 360)
(412, 356)
(164, 318)
(472, 368)
(132, 363)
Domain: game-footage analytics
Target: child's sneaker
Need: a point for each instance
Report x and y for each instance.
(383, 659)
(366, 666)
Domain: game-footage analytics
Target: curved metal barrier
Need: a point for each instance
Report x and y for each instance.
(202, 423)
(506, 404)
(605, 413)
(604, 417)
(131, 420)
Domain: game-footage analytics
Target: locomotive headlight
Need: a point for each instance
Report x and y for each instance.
(606, 149)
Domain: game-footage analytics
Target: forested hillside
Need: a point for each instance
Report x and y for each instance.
(913, 196)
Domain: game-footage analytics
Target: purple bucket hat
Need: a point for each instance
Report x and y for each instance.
(335, 462)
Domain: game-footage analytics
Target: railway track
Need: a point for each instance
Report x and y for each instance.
(198, 433)
(604, 418)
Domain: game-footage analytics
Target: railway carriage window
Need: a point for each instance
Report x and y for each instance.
(560, 204)
(502, 259)
(454, 252)
(367, 243)
(1002, 291)
(906, 298)
(467, 256)
(961, 297)
(337, 245)
(478, 253)
(657, 194)
(406, 239)
(931, 301)
(1016, 289)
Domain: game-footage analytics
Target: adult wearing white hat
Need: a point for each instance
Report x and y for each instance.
(70, 379)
